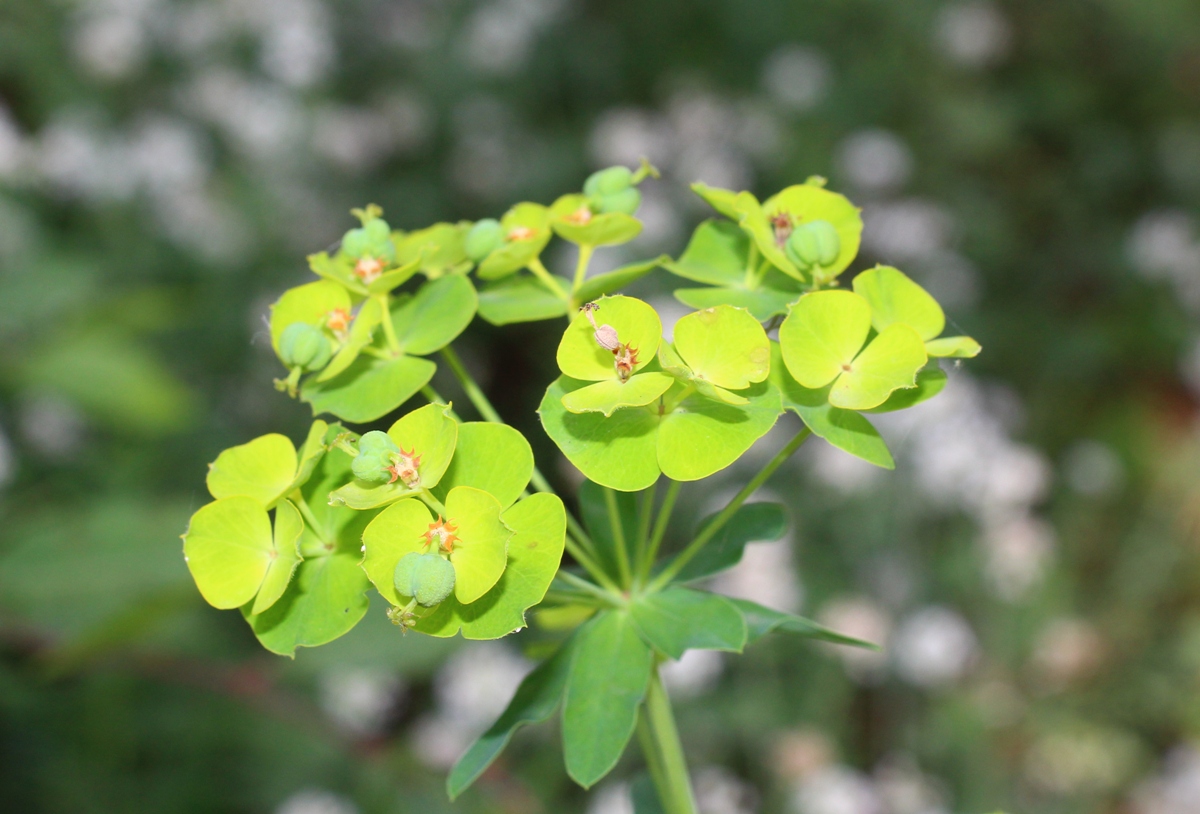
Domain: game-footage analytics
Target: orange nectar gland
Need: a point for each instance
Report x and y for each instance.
(338, 321)
(442, 534)
(782, 222)
(519, 233)
(404, 468)
(581, 216)
(626, 360)
(368, 269)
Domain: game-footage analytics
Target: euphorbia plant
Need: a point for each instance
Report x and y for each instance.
(438, 514)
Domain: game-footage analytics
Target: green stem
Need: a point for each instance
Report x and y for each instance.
(669, 406)
(307, 513)
(585, 257)
(389, 330)
(618, 533)
(426, 497)
(660, 526)
(751, 261)
(650, 754)
(645, 513)
(474, 392)
(583, 585)
(674, 785)
(589, 563)
(548, 280)
(721, 519)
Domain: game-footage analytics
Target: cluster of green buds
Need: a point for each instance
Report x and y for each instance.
(369, 247)
(380, 460)
(813, 245)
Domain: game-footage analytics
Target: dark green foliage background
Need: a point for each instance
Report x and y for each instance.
(120, 691)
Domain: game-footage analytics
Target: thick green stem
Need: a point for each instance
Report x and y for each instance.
(666, 752)
(548, 279)
(389, 330)
(721, 519)
(585, 257)
(426, 497)
(660, 527)
(618, 533)
(645, 515)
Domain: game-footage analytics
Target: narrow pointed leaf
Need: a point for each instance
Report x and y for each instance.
(678, 619)
(761, 620)
(534, 701)
(606, 684)
(751, 523)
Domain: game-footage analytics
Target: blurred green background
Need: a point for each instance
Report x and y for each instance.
(1032, 566)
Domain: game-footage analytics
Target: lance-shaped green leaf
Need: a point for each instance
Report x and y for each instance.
(526, 229)
(610, 282)
(606, 684)
(719, 254)
(362, 331)
(493, 457)
(262, 469)
(805, 203)
(636, 325)
(534, 701)
(438, 247)
(327, 595)
(285, 556)
(521, 298)
(370, 388)
(435, 315)
(931, 380)
(752, 522)
(573, 219)
(312, 304)
(429, 434)
(761, 620)
(895, 298)
(677, 619)
(847, 430)
(688, 440)
(822, 344)
(539, 527)
(724, 346)
(228, 548)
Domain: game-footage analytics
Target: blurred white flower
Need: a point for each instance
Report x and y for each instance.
(843, 472)
(12, 145)
(933, 647)
(1018, 549)
(662, 227)
(1081, 759)
(906, 230)
(360, 701)
(611, 798)
(836, 790)
(796, 76)
(109, 44)
(694, 674)
(499, 35)
(626, 135)
(875, 161)
(973, 34)
(205, 224)
(905, 789)
(860, 618)
(167, 154)
(472, 688)
(52, 426)
(766, 575)
(297, 46)
(1093, 468)
(1176, 790)
(358, 138)
(77, 160)
(952, 279)
(316, 801)
(1189, 367)
(1066, 651)
(670, 311)
(262, 119)
(720, 791)
(1163, 245)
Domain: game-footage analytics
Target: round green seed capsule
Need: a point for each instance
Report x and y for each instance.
(813, 244)
(608, 181)
(304, 346)
(374, 240)
(626, 201)
(375, 451)
(484, 237)
(427, 578)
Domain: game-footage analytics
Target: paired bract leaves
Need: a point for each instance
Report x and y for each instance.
(573, 218)
(822, 342)
(895, 299)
